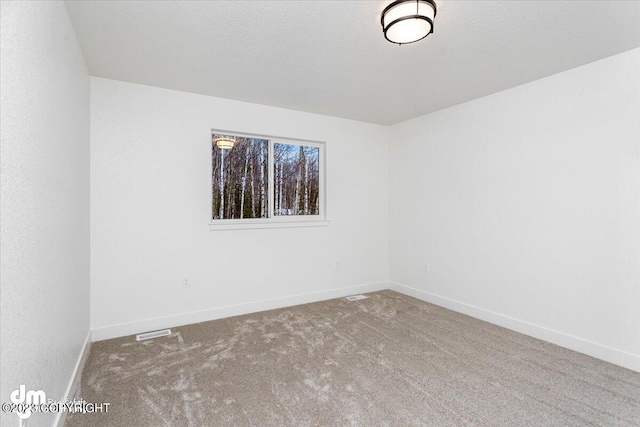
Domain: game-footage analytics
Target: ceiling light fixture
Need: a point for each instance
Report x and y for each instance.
(224, 142)
(407, 21)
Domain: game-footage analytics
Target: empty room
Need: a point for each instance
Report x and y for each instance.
(320, 213)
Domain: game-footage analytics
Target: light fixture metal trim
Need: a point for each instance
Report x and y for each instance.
(417, 15)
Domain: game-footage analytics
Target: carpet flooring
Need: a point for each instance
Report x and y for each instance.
(388, 360)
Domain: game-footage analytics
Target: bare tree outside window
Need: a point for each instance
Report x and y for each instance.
(240, 179)
(296, 179)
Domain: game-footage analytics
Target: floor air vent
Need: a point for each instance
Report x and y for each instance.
(355, 297)
(154, 334)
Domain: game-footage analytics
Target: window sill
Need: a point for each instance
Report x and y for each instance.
(248, 224)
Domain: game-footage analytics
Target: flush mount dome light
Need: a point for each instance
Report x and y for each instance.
(407, 21)
(224, 142)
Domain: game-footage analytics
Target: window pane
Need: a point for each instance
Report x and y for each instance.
(240, 177)
(296, 179)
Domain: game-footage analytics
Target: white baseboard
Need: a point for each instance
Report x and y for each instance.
(599, 351)
(75, 379)
(125, 329)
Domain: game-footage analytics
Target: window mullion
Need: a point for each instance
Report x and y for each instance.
(271, 184)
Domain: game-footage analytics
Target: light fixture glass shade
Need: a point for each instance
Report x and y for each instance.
(407, 21)
(224, 142)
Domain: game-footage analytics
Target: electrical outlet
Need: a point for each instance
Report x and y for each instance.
(427, 267)
(186, 283)
(338, 266)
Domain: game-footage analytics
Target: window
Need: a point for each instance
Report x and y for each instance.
(296, 179)
(265, 182)
(240, 178)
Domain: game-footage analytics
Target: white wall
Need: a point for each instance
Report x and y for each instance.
(527, 205)
(45, 201)
(150, 210)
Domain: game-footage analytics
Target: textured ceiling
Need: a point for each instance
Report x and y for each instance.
(330, 57)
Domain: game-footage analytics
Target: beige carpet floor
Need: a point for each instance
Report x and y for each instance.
(388, 360)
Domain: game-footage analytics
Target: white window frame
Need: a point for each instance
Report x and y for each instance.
(283, 221)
